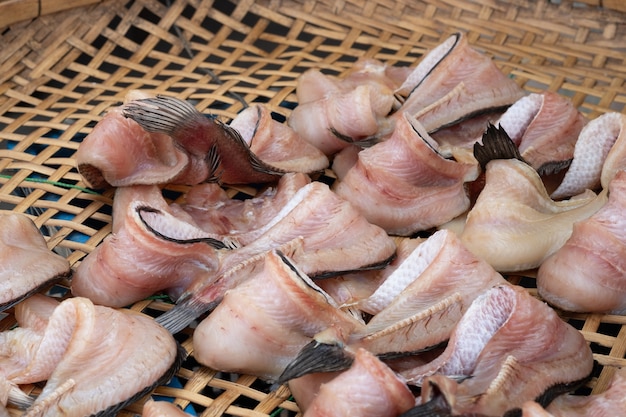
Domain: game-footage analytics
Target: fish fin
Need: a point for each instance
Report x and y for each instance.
(306, 280)
(386, 356)
(316, 357)
(367, 142)
(19, 398)
(213, 161)
(211, 241)
(559, 389)
(437, 406)
(497, 144)
(255, 162)
(370, 267)
(161, 114)
(181, 355)
(550, 168)
(423, 134)
(184, 313)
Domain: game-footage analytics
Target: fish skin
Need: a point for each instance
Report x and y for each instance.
(588, 273)
(545, 126)
(514, 224)
(507, 349)
(595, 141)
(368, 389)
(276, 143)
(347, 290)
(423, 290)
(28, 263)
(430, 294)
(616, 158)
(226, 153)
(262, 324)
(102, 338)
(403, 185)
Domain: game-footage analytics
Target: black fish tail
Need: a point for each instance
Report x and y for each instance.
(552, 392)
(437, 406)
(497, 144)
(316, 357)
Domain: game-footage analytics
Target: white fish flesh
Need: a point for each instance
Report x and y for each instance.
(514, 224)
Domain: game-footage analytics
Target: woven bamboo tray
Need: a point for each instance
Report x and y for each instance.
(61, 71)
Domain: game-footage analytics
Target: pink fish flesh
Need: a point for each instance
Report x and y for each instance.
(589, 272)
(507, 349)
(276, 143)
(150, 250)
(454, 82)
(263, 323)
(28, 264)
(403, 185)
(368, 389)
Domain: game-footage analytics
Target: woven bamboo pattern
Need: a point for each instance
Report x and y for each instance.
(60, 72)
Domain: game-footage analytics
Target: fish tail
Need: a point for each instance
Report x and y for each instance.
(19, 398)
(437, 406)
(496, 144)
(184, 313)
(316, 357)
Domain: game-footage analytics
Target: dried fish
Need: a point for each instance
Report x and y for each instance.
(28, 265)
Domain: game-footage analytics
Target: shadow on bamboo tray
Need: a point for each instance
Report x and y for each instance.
(60, 72)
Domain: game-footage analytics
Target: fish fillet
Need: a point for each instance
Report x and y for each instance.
(262, 324)
(104, 366)
(507, 349)
(28, 264)
(455, 82)
(514, 224)
(589, 272)
(403, 185)
(368, 389)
